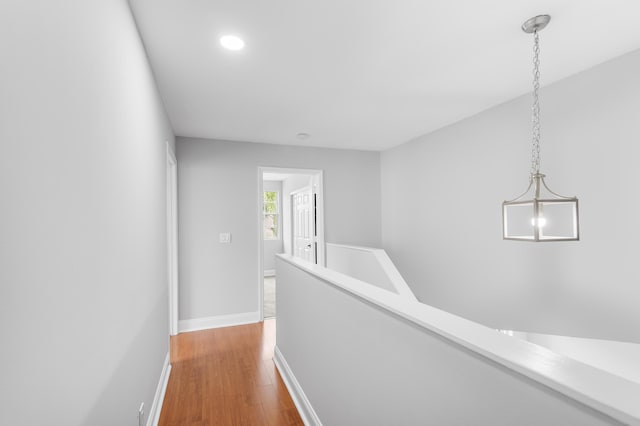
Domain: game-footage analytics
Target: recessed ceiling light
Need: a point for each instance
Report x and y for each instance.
(303, 136)
(231, 42)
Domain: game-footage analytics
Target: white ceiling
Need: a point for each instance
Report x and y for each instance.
(363, 74)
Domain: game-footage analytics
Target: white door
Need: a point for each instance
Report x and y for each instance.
(304, 242)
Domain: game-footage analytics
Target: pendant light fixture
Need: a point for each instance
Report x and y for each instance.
(539, 214)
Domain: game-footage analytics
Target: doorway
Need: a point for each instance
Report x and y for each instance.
(291, 221)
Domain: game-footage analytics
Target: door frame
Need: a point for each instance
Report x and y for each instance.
(172, 238)
(319, 191)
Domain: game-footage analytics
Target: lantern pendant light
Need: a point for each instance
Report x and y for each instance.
(539, 214)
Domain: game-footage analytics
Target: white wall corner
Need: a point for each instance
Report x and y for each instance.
(218, 321)
(308, 414)
(269, 272)
(158, 399)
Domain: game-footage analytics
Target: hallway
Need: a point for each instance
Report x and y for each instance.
(269, 297)
(226, 376)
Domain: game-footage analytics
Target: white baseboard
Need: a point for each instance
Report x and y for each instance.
(218, 321)
(309, 416)
(158, 399)
(269, 272)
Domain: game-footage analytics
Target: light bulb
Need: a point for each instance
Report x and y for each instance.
(541, 221)
(232, 42)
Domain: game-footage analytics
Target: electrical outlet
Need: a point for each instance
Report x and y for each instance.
(225, 237)
(141, 415)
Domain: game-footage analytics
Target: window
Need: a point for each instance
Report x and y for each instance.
(271, 216)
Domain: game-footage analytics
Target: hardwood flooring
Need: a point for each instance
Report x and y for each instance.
(226, 376)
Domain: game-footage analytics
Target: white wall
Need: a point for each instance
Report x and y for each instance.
(218, 192)
(272, 247)
(83, 286)
(359, 264)
(358, 363)
(442, 196)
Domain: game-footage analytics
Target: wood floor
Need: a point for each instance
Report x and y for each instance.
(226, 376)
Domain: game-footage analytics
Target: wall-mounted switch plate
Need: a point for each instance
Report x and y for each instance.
(225, 237)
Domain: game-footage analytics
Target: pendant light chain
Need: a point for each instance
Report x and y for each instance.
(539, 214)
(535, 118)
